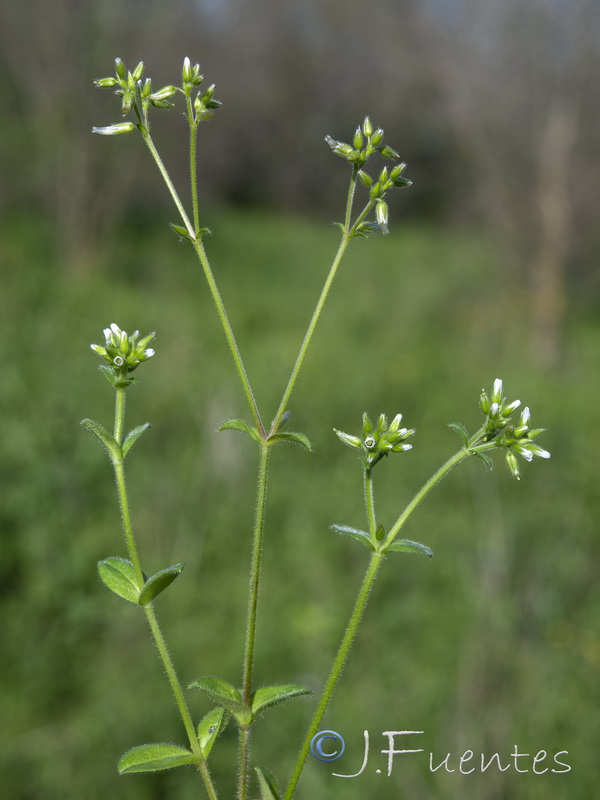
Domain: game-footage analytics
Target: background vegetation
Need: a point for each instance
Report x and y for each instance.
(490, 270)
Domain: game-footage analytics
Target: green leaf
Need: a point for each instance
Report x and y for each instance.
(104, 437)
(269, 696)
(225, 694)
(269, 789)
(180, 231)
(209, 727)
(119, 575)
(108, 373)
(461, 430)
(291, 438)
(408, 546)
(486, 460)
(158, 583)
(154, 757)
(361, 536)
(133, 436)
(240, 425)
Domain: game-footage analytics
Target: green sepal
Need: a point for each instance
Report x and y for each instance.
(226, 695)
(486, 460)
(408, 546)
(158, 583)
(240, 425)
(209, 727)
(269, 696)
(108, 442)
(180, 231)
(133, 436)
(119, 576)
(461, 430)
(269, 789)
(154, 757)
(291, 438)
(361, 536)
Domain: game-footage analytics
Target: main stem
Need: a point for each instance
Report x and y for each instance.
(150, 615)
(257, 542)
(336, 670)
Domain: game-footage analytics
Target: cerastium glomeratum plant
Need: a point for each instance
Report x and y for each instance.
(378, 438)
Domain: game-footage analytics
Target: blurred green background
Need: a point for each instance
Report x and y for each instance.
(489, 271)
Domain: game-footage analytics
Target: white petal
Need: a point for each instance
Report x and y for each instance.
(539, 451)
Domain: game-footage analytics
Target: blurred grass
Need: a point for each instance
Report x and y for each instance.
(493, 643)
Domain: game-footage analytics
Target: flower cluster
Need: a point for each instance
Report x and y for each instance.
(380, 440)
(366, 142)
(515, 439)
(122, 351)
(134, 91)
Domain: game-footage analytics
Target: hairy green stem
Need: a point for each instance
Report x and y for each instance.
(243, 768)
(370, 505)
(228, 330)
(193, 169)
(336, 670)
(346, 236)
(257, 543)
(201, 253)
(170, 186)
(150, 615)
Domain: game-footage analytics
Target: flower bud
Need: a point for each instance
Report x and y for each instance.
(351, 441)
(395, 425)
(127, 102)
(186, 72)
(120, 69)
(381, 214)
(105, 83)
(367, 127)
(508, 410)
(115, 130)
(388, 152)
(164, 93)
(484, 402)
(513, 465)
(138, 72)
(358, 139)
(497, 391)
(397, 171)
(377, 137)
(365, 178)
